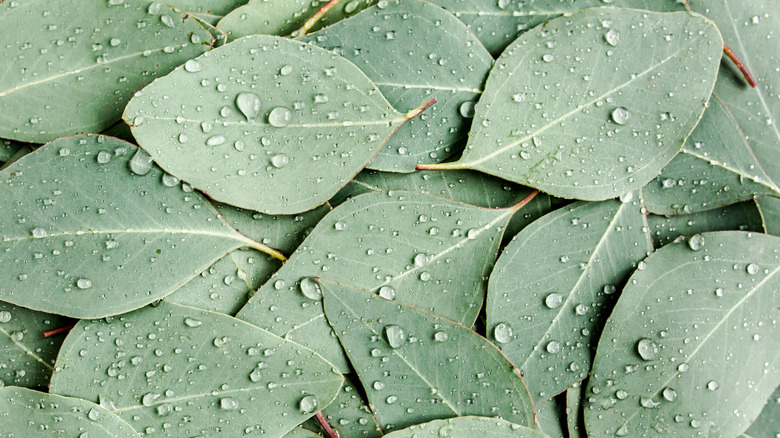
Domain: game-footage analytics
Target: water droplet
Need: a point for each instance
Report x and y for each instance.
(17, 336)
(256, 375)
(387, 292)
(648, 402)
(154, 8)
(647, 349)
(167, 20)
(379, 385)
(279, 160)
(553, 300)
(216, 140)
(38, 232)
(308, 404)
(669, 394)
(169, 180)
(192, 66)
(440, 336)
(279, 117)
(228, 404)
(141, 163)
(394, 335)
(620, 115)
(249, 104)
(712, 385)
(581, 309)
(612, 37)
(83, 283)
(466, 109)
(502, 4)
(148, 399)
(192, 322)
(548, 58)
(753, 269)
(103, 157)
(285, 70)
(696, 242)
(503, 333)
(610, 289)
(340, 226)
(420, 259)
(5, 316)
(553, 347)
(392, 399)
(93, 414)
(310, 289)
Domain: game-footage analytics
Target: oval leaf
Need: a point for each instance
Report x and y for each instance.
(210, 11)
(692, 343)
(561, 272)
(592, 119)
(85, 226)
(551, 418)
(416, 366)
(467, 427)
(348, 415)
(396, 55)
(770, 213)
(101, 48)
(37, 414)
(233, 378)
(279, 150)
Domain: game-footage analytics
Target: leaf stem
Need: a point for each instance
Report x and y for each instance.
(741, 66)
(417, 111)
(524, 201)
(438, 166)
(324, 423)
(275, 253)
(304, 30)
(57, 331)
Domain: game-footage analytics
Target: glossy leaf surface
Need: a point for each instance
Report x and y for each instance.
(348, 414)
(591, 119)
(467, 427)
(551, 418)
(233, 378)
(554, 285)
(210, 11)
(279, 150)
(94, 55)
(85, 225)
(416, 366)
(770, 213)
(692, 343)
(767, 425)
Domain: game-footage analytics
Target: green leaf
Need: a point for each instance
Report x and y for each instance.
(715, 168)
(396, 55)
(586, 120)
(574, 418)
(267, 149)
(283, 17)
(18, 154)
(231, 378)
(92, 55)
(8, 148)
(210, 11)
(85, 226)
(751, 33)
(498, 22)
(767, 425)
(387, 243)
(348, 415)
(300, 432)
(692, 342)
(416, 366)
(467, 427)
(554, 285)
(743, 216)
(770, 213)
(37, 414)
(551, 418)
(26, 355)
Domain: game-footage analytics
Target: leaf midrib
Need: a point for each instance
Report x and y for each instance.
(233, 236)
(26, 350)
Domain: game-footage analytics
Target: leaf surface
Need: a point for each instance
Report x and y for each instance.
(392, 44)
(279, 150)
(554, 285)
(692, 343)
(8, 149)
(574, 419)
(232, 378)
(348, 414)
(85, 226)
(551, 418)
(586, 120)
(210, 11)
(770, 213)
(467, 427)
(416, 366)
(31, 414)
(94, 55)
(767, 425)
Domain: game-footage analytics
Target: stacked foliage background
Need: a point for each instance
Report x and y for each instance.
(414, 218)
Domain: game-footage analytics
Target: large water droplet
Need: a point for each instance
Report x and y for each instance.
(141, 163)
(503, 333)
(394, 335)
(279, 117)
(387, 292)
(753, 269)
(308, 404)
(279, 160)
(249, 104)
(440, 336)
(553, 347)
(216, 140)
(696, 242)
(712, 385)
(192, 322)
(5, 316)
(647, 349)
(148, 399)
(310, 289)
(612, 37)
(553, 300)
(669, 394)
(620, 115)
(228, 404)
(38, 232)
(83, 283)
(167, 20)
(103, 157)
(466, 109)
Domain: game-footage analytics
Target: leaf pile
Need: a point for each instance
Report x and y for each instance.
(358, 218)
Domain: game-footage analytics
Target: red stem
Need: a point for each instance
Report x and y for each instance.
(324, 423)
(738, 62)
(57, 331)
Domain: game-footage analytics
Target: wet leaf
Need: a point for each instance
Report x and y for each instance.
(17, 155)
(210, 11)
(37, 414)
(551, 418)
(83, 52)
(692, 342)
(467, 427)
(86, 225)
(770, 213)
(389, 244)
(398, 55)
(585, 120)
(264, 148)
(554, 285)
(233, 378)
(716, 168)
(767, 425)
(348, 415)
(416, 366)
(8, 148)
(574, 418)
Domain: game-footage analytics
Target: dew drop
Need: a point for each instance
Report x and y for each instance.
(38, 232)
(228, 404)
(192, 322)
(103, 157)
(279, 117)
(340, 226)
(553, 300)
(310, 289)
(169, 180)
(308, 404)
(5, 316)
(502, 333)
(712, 385)
(553, 347)
(612, 37)
(279, 160)
(192, 66)
(440, 336)
(216, 140)
(141, 163)
(466, 109)
(167, 20)
(620, 115)
(83, 283)
(394, 335)
(647, 349)
(696, 242)
(285, 70)
(249, 104)
(548, 58)
(753, 269)
(148, 399)
(669, 394)
(387, 292)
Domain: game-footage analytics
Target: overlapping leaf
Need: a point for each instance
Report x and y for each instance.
(551, 418)
(554, 284)
(348, 415)
(94, 55)
(280, 150)
(770, 213)
(210, 11)
(416, 366)
(423, 250)
(574, 418)
(692, 343)
(600, 115)
(392, 44)
(767, 425)
(467, 427)
(96, 230)
(231, 377)
(8, 148)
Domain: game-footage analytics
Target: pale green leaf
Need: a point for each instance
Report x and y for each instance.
(585, 119)
(416, 366)
(32, 414)
(26, 355)
(89, 237)
(467, 427)
(388, 243)
(17, 155)
(554, 285)
(230, 377)
(300, 432)
(210, 11)
(551, 418)
(397, 54)
(279, 150)
(574, 418)
(348, 415)
(767, 425)
(715, 168)
(692, 346)
(770, 214)
(92, 55)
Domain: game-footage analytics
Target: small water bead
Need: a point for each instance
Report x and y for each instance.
(310, 288)
(503, 333)
(753, 269)
(553, 347)
(394, 335)
(249, 104)
(621, 394)
(103, 157)
(93, 414)
(279, 160)
(5, 316)
(647, 349)
(320, 98)
(216, 140)
(387, 292)
(696, 242)
(351, 6)
(38, 232)
(669, 394)
(83, 283)
(154, 8)
(553, 300)
(228, 404)
(548, 58)
(148, 399)
(169, 180)
(420, 259)
(308, 404)
(192, 66)
(610, 289)
(17, 336)
(192, 322)
(581, 309)
(285, 70)
(466, 109)
(379, 385)
(183, 138)
(340, 226)
(612, 37)
(279, 117)
(713, 385)
(620, 115)
(64, 152)
(141, 163)
(440, 336)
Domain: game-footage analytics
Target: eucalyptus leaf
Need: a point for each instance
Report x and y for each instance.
(210, 11)
(18, 154)
(554, 285)
(348, 415)
(589, 119)
(8, 148)
(715, 168)
(267, 149)
(26, 355)
(36, 414)
(300, 432)
(232, 378)
(392, 43)
(551, 418)
(692, 346)
(767, 425)
(83, 52)
(85, 225)
(744, 216)
(388, 243)
(770, 214)
(574, 416)
(498, 22)
(416, 366)
(467, 427)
